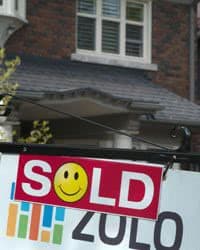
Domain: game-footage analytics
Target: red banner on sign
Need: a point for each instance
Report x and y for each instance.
(129, 189)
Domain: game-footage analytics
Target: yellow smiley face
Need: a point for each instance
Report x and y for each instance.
(70, 182)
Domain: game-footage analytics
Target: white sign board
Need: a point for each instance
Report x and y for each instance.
(29, 226)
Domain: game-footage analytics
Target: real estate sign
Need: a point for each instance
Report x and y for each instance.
(31, 224)
(105, 186)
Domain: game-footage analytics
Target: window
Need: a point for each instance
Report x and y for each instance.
(114, 28)
(16, 5)
(1, 2)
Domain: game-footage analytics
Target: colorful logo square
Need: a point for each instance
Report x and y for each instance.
(35, 221)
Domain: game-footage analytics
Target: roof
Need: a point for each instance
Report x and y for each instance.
(40, 77)
(184, 1)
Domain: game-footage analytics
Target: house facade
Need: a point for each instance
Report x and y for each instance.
(126, 64)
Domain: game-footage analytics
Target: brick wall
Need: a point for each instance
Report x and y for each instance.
(170, 43)
(195, 142)
(51, 33)
(50, 29)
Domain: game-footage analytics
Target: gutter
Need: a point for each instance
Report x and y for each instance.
(192, 39)
(191, 124)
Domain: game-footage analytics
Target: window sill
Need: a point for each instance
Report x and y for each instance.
(114, 61)
(14, 15)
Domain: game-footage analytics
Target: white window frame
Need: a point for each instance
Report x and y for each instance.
(21, 11)
(8, 9)
(121, 59)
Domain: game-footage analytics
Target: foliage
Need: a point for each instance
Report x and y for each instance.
(40, 133)
(7, 88)
(3, 135)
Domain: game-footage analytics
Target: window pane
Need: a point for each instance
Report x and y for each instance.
(111, 8)
(1, 2)
(16, 4)
(134, 40)
(110, 37)
(134, 11)
(87, 6)
(86, 33)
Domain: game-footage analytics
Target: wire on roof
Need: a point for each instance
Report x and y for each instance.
(97, 124)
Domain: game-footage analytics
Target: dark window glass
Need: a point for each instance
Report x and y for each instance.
(134, 12)
(86, 33)
(16, 4)
(111, 8)
(134, 40)
(87, 6)
(110, 37)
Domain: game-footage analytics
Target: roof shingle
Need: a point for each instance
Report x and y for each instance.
(38, 76)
